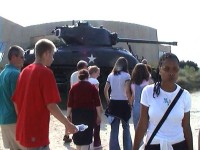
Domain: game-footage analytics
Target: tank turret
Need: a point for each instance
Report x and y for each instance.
(84, 34)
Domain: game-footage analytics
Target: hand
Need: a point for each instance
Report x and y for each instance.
(131, 106)
(71, 128)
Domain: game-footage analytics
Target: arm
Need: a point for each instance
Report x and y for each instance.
(106, 88)
(187, 131)
(128, 92)
(98, 120)
(13, 83)
(132, 92)
(69, 111)
(57, 113)
(15, 108)
(101, 106)
(142, 126)
(71, 81)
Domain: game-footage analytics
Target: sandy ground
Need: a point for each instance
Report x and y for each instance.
(57, 130)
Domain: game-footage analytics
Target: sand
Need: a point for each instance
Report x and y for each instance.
(57, 130)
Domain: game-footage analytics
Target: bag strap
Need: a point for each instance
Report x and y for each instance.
(164, 116)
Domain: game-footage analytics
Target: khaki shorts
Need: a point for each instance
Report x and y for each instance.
(8, 136)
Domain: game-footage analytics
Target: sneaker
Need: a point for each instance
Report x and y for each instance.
(97, 147)
(67, 139)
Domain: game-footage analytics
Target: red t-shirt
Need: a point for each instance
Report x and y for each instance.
(83, 95)
(36, 87)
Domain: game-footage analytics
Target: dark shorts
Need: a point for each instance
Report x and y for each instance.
(120, 109)
(177, 146)
(39, 148)
(87, 117)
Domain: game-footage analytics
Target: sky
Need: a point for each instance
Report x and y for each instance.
(175, 20)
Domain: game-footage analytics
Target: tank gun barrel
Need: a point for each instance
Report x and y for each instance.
(128, 40)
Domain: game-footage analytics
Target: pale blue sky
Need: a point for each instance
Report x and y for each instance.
(175, 20)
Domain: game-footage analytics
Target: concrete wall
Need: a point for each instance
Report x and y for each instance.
(164, 49)
(26, 37)
(10, 34)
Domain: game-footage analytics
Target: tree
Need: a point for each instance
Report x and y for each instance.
(190, 64)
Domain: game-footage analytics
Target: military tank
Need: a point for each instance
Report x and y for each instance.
(82, 41)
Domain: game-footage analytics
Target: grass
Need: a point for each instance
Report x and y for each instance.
(189, 79)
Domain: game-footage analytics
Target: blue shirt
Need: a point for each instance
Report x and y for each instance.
(8, 79)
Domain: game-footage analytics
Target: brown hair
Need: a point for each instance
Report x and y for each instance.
(139, 74)
(120, 65)
(149, 68)
(83, 74)
(14, 50)
(81, 64)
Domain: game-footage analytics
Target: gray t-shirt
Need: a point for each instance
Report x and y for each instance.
(74, 78)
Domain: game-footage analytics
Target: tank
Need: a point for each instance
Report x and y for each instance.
(82, 41)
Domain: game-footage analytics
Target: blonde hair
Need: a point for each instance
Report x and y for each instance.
(93, 69)
(42, 46)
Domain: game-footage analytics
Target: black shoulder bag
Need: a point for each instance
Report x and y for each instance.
(164, 117)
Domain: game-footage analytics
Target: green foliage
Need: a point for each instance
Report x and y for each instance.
(189, 78)
(190, 64)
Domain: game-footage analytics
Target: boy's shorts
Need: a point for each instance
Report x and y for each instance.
(8, 136)
(39, 148)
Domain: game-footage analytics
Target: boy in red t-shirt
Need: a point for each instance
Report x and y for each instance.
(35, 98)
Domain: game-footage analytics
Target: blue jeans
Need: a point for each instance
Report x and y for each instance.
(136, 114)
(114, 142)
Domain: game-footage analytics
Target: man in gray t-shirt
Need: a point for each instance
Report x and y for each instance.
(74, 77)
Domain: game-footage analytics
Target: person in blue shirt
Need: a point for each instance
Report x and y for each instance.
(8, 80)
